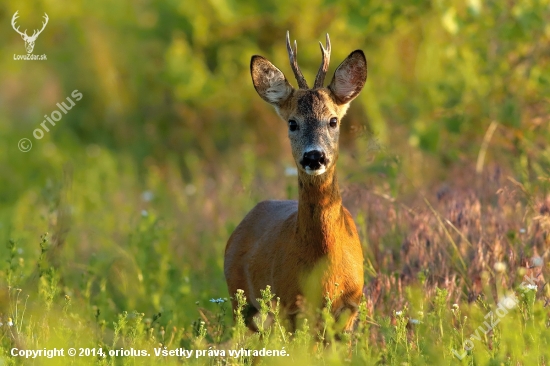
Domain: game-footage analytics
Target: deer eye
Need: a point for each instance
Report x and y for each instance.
(292, 125)
(333, 122)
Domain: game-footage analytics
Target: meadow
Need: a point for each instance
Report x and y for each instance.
(113, 225)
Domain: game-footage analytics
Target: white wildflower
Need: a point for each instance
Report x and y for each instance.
(10, 322)
(531, 287)
(147, 196)
(398, 313)
(291, 171)
(536, 261)
(414, 321)
(522, 231)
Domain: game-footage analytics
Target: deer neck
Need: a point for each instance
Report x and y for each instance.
(320, 212)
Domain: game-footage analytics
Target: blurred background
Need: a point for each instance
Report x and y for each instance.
(128, 201)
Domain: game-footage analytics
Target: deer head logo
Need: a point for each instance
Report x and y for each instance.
(29, 40)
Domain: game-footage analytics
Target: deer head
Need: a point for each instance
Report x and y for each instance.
(29, 40)
(313, 115)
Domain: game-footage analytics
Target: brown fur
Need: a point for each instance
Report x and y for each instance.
(310, 247)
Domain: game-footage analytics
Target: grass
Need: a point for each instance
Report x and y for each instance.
(113, 227)
(111, 259)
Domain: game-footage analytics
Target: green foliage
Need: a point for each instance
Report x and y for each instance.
(113, 226)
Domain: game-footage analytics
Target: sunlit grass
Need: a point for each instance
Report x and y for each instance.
(113, 227)
(139, 266)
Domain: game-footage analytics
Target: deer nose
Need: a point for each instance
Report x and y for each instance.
(313, 159)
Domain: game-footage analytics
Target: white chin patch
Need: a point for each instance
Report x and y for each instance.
(319, 171)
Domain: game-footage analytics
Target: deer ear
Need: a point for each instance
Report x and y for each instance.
(349, 78)
(269, 81)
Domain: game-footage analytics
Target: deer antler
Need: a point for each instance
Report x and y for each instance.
(35, 34)
(320, 78)
(13, 19)
(302, 83)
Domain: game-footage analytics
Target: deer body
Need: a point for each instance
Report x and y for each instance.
(310, 247)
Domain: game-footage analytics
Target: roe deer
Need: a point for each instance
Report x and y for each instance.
(310, 247)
